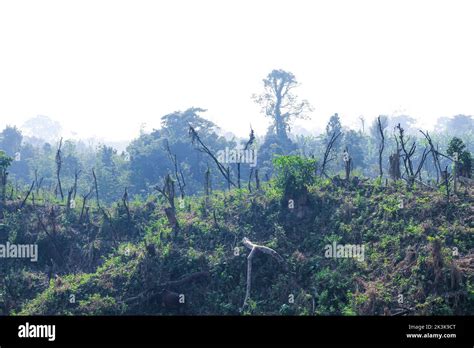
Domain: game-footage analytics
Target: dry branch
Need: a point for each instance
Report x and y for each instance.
(27, 195)
(203, 148)
(327, 152)
(254, 248)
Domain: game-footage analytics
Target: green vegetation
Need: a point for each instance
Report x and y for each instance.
(347, 222)
(110, 264)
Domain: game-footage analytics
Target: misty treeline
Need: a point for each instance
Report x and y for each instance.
(185, 150)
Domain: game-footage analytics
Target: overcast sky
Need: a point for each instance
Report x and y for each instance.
(103, 68)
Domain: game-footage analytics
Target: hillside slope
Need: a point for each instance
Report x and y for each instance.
(418, 255)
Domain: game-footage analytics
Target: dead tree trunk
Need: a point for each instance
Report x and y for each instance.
(381, 146)
(58, 168)
(445, 178)
(410, 172)
(96, 188)
(168, 192)
(84, 200)
(249, 185)
(125, 204)
(178, 172)
(394, 163)
(394, 170)
(76, 177)
(327, 152)
(69, 199)
(238, 172)
(247, 146)
(207, 182)
(347, 163)
(254, 248)
(435, 154)
(228, 175)
(455, 172)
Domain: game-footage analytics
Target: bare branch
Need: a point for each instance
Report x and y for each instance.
(253, 250)
(202, 147)
(327, 152)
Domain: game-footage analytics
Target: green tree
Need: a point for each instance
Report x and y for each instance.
(464, 165)
(150, 162)
(294, 171)
(176, 124)
(10, 140)
(280, 103)
(108, 174)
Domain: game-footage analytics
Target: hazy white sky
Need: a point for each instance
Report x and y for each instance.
(105, 67)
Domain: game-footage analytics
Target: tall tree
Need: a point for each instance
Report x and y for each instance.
(279, 103)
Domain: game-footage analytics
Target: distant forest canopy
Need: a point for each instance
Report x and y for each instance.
(187, 146)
